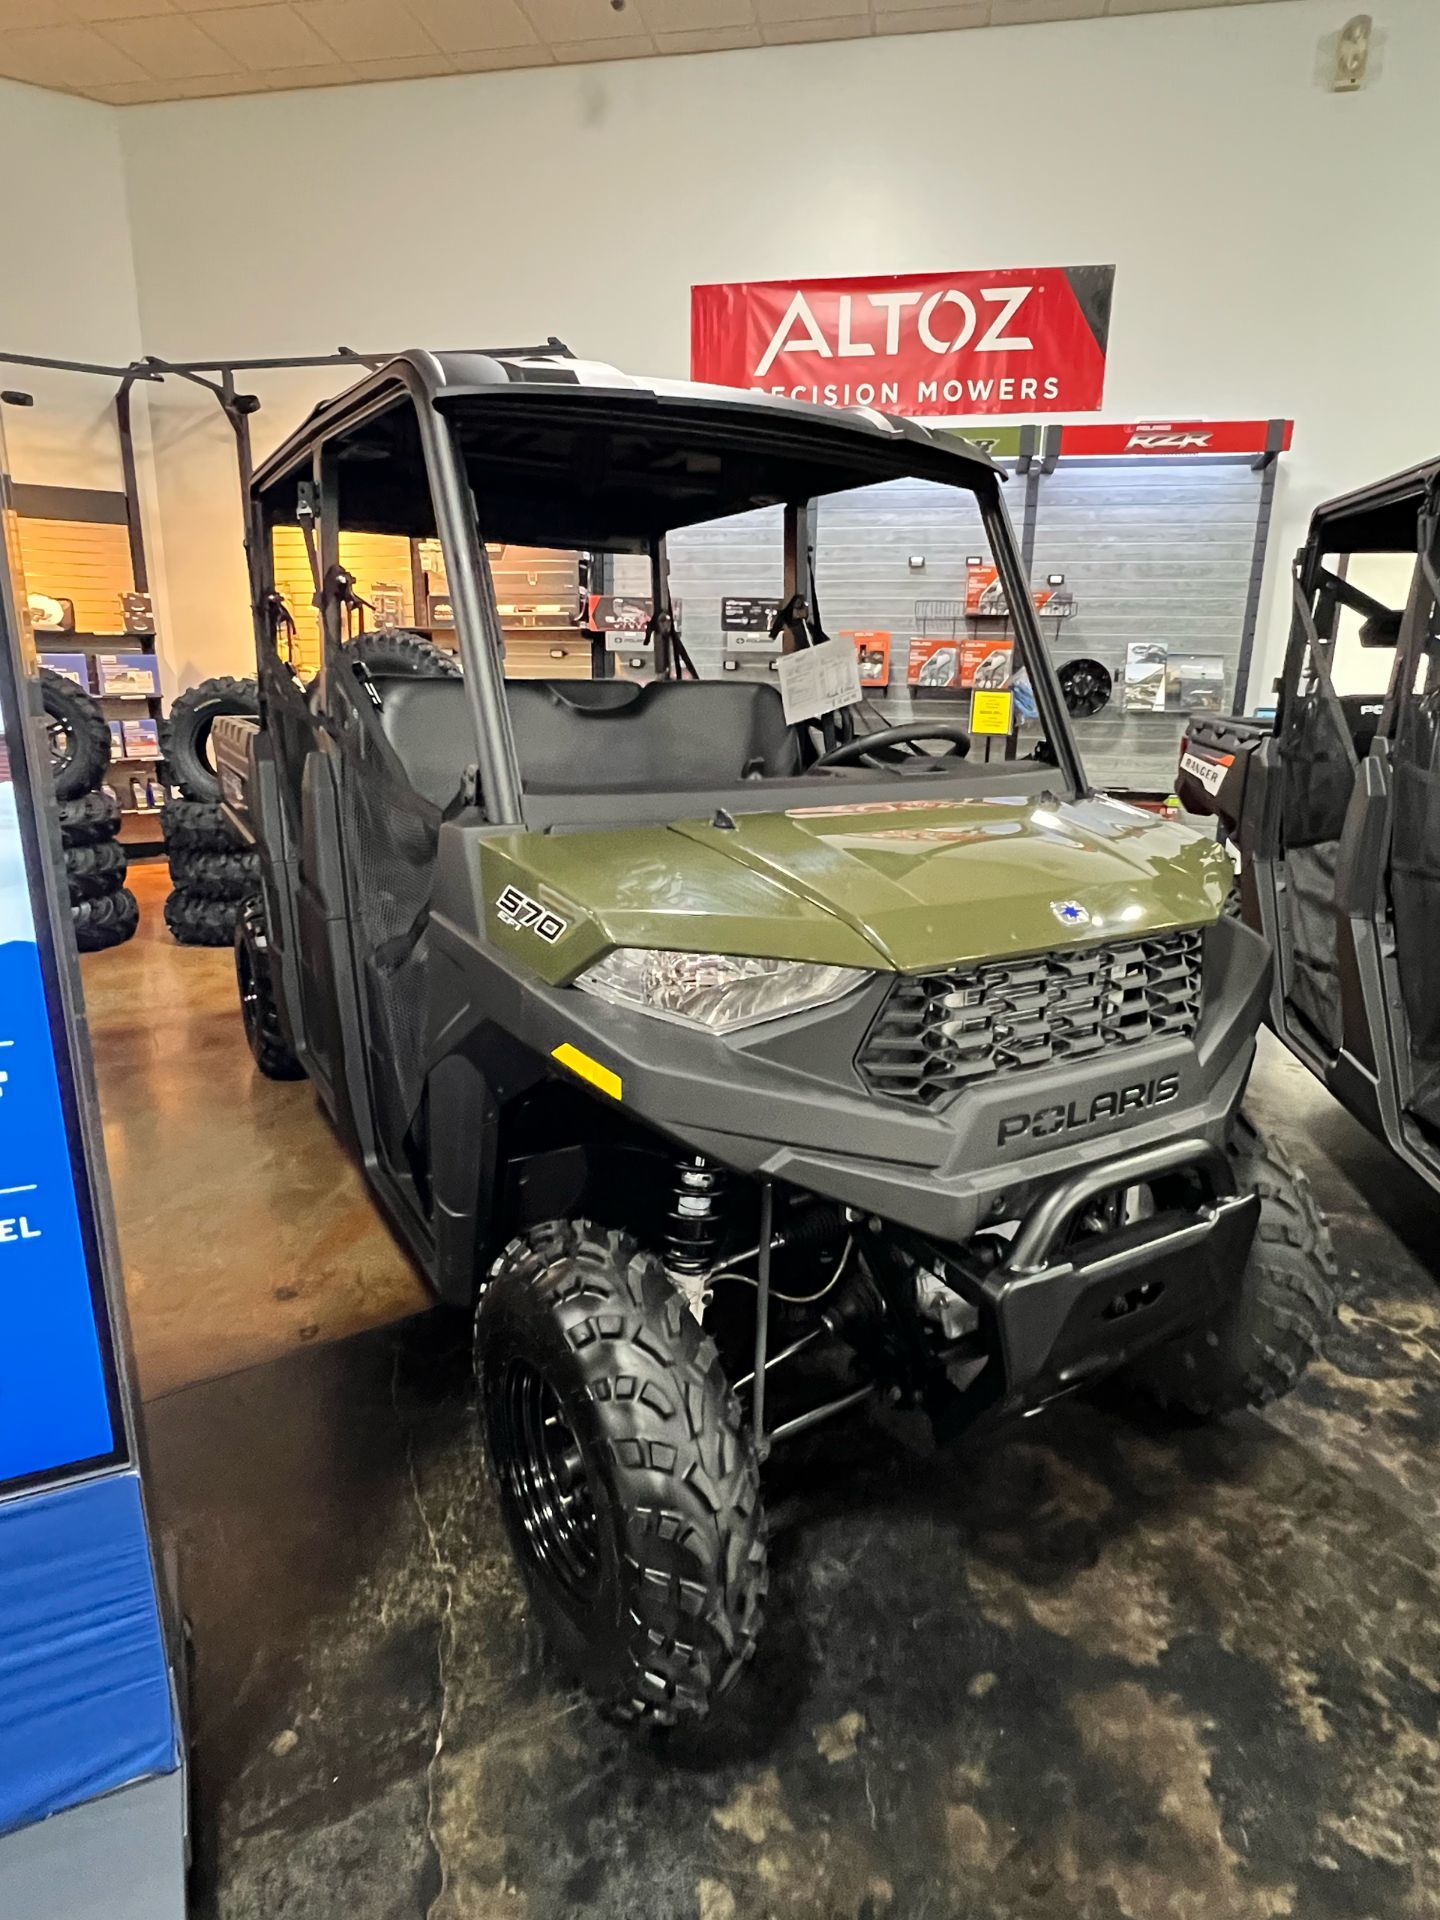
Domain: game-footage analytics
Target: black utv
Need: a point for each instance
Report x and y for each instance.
(1334, 809)
(736, 1052)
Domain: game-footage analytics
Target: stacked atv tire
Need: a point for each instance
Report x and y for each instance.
(103, 910)
(211, 871)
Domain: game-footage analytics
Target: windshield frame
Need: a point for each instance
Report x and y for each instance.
(546, 810)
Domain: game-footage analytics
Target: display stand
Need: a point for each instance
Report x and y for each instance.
(92, 1776)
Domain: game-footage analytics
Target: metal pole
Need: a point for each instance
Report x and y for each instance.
(1046, 688)
(130, 481)
(762, 1318)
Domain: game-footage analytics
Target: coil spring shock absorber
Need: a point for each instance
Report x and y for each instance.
(695, 1225)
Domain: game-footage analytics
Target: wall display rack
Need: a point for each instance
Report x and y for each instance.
(79, 553)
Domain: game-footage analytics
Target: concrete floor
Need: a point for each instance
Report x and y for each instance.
(245, 1232)
(1088, 1669)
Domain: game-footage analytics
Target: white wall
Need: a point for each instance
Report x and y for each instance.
(1195, 149)
(67, 287)
(67, 292)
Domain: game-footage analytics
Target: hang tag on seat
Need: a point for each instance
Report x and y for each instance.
(819, 680)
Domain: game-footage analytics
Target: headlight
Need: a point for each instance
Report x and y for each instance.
(715, 990)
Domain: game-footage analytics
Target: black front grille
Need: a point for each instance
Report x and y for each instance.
(940, 1032)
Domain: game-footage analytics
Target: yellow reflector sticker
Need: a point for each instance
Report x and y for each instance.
(588, 1069)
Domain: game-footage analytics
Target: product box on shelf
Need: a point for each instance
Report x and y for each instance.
(142, 739)
(874, 652)
(137, 614)
(74, 666)
(128, 673)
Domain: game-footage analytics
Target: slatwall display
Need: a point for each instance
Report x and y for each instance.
(538, 591)
(864, 544)
(1154, 554)
(379, 562)
(76, 547)
(83, 561)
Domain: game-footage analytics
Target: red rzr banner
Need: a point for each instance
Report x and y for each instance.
(1181, 436)
(935, 346)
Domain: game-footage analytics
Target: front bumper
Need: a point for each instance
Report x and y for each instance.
(1059, 1313)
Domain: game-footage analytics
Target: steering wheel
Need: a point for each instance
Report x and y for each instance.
(880, 749)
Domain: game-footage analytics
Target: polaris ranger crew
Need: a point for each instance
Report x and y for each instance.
(736, 1053)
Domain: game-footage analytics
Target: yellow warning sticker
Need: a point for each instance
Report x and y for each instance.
(992, 710)
(605, 1078)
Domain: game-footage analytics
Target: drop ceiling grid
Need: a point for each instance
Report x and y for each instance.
(127, 52)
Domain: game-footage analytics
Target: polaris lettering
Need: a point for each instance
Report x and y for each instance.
(1048, 1123)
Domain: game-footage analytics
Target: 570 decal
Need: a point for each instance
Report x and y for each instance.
(517, 909)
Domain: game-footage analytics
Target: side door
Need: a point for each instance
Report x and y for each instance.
(1326, 803)
(376, 852)
(1414, 847)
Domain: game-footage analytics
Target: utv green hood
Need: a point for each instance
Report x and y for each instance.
(913, 885)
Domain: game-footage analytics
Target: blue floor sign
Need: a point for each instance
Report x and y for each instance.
(55, 1409)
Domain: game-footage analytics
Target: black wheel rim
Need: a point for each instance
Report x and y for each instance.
(249, 990)
(1086, 687)
(62, 746)
(544, 1483)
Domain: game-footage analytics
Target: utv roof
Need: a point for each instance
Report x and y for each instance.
(1380, 518)
(565, 452)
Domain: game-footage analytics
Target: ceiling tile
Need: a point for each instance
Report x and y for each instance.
(695, 16)
(291, 79)
(708, 40)
(93, 10)
(786, 33)
(206, 86)
(934, 19)
(500, 59)
(773, 11)
(71, 58)
(915, 6)
(169, 47)
(36, 13)
(574, 52)
(1156, 6)
(1022, 13)
(268, 39)
(366, 29)
(203, 86)
(578, 21)
(470, 26)
(413, 67)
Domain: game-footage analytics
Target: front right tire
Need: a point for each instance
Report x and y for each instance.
(1276, 1320)
(627, 1479)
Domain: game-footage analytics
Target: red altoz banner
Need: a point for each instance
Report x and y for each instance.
(1009, 341)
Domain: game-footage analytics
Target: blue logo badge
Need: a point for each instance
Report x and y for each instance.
(1070, 913)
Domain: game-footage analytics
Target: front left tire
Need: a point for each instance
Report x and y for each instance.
(627, 1479)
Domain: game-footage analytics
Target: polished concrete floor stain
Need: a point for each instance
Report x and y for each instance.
(244, 1231)
(1091, 1669)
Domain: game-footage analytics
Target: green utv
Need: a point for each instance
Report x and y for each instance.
(734, 1068)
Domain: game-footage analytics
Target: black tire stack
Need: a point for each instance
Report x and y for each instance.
(103, 910)
(212, 872)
